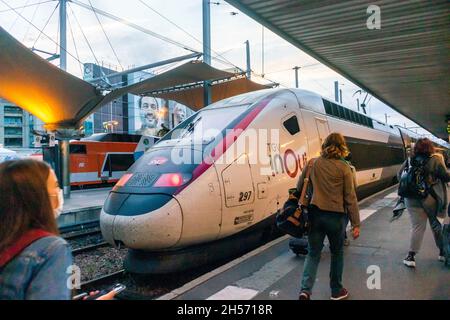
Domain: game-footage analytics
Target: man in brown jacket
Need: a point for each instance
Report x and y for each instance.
(333, 196)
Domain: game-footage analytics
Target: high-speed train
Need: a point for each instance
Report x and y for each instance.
(212, 186)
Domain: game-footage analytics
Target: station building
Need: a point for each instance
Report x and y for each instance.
(16, 126)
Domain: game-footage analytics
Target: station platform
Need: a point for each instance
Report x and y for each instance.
(83, 206)
(273, 272)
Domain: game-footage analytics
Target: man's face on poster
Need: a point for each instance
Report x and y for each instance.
(180, 115)
(149, 113)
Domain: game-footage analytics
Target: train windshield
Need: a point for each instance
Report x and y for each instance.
(205, 125)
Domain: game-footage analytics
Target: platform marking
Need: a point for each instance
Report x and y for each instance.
(365, 213)
(234, 293)
(274, 270)
(393, 195)
(207, 276)
(269, 273)
(202, 279)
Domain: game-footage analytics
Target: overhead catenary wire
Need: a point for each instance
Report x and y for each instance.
(87, 42)
(217, 55)
(25, 6)
(75, 45)
(187, 33)
(106, 36)
(17, 18)
(32, 19)
(34, 26)
(46, 23)
(134, 26)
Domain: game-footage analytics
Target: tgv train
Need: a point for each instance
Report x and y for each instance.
(199, 195)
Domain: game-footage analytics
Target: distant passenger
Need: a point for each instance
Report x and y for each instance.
(433, 206)
(33, 258)
(333, 197)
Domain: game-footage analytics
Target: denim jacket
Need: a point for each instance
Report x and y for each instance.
(38, 272)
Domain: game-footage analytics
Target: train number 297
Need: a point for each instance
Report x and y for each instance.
(245, 196)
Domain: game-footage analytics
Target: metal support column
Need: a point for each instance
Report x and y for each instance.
(336, 91)
(207, 48)
(296, 75)
(249, 68)
(63, 34)
(64, 151)
(64, 142)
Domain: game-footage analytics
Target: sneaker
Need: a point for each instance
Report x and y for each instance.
(341, 295)
(441, 258)
(410, 261)
(304, 296)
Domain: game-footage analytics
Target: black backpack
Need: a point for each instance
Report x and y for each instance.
(413, 181)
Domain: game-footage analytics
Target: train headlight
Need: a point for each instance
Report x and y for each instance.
(172, 179)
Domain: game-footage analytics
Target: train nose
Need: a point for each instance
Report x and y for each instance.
(141, 221)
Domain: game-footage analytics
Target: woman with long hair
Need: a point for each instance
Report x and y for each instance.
(33, 258)
(434, 205)
(333, 198)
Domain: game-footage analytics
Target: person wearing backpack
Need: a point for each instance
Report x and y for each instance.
(423, 179)
(333, 198)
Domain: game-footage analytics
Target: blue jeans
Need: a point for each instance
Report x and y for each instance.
(332, 225)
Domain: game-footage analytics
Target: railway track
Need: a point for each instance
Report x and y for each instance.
(96, 283)
(89, 247)
(77, 228)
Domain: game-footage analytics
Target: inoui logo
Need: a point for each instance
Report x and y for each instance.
(374, 20)
(374, 280)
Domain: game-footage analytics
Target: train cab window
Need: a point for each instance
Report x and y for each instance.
(119, 162)
(291, 125)
(328, 108)
(78, 149)
(354, 116)
(341, 112)
(347, 114)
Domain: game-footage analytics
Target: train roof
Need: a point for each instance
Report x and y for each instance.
(329, 107)
(113, 137)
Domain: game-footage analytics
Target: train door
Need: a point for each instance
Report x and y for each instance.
(239, 195)
(317, 130)
(322, 129)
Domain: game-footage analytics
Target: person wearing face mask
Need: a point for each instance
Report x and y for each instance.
(33, 257)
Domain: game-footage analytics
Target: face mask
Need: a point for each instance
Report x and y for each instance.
(57, 211)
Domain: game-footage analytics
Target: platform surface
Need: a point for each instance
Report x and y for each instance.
(84, 199)
(274, 272)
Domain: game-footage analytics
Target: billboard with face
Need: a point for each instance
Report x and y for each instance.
(150, 121)
(179, 113)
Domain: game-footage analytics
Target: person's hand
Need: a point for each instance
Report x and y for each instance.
(108, 296)
(355, 233)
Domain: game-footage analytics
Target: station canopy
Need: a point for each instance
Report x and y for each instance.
(62, 100)
(405, 63)
(185, 84)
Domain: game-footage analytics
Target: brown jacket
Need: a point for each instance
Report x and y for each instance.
(333, 187)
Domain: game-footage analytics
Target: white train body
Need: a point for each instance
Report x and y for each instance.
(223, 197)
